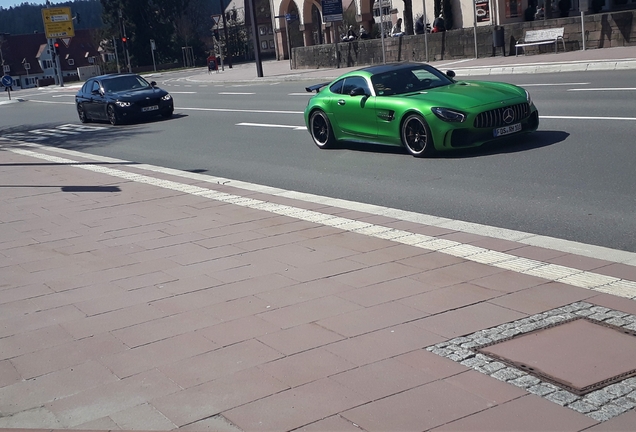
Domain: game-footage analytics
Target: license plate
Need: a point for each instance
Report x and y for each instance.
(150, 108)
(507, 130)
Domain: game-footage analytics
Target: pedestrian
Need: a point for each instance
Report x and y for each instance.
(351, 35)
(529, 13)
(363, 32)
(396, 31)
(419, 25)
(439, 25)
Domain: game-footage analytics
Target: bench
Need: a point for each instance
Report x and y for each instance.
(541, 37)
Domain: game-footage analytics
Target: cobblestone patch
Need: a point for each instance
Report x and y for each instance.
(601, 405)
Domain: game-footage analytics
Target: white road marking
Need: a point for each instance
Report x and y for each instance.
(235, 93)
(184, 92)
(241, 110)
(52, 102)
(553, 272)
(586, 118)
(300, 94)
(272, 126)
(553, 84)
(605, 89)
(64, 95)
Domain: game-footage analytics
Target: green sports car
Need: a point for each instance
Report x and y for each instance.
(416, 106)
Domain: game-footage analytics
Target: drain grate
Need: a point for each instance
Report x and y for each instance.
(580, 356)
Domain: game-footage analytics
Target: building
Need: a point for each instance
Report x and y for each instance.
(28, 58)
(488, 12)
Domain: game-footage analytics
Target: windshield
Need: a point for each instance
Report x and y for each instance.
(408, 80)
(125, 83)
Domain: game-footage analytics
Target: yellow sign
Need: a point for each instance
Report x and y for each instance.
(58, 22)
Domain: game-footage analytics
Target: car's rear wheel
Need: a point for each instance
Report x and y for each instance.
(81, 113)
(113, 118)
(320, 129)
(416, 136)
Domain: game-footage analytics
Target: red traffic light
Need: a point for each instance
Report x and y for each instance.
(124, 40)
(56, 45)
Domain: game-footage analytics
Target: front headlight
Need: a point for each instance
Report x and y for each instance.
(166, 97)
(528, 97)
(123, 104)
(448, 114)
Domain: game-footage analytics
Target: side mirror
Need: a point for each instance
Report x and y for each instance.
(358, 91)
(450, 74)
(96, 93)
(153, 83)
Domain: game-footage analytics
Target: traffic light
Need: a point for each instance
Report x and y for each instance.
(124, 39)
(56, 45)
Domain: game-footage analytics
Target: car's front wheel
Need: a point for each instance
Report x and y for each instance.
(416, 136)
(81, 113)
(113, 118)
(320, 129)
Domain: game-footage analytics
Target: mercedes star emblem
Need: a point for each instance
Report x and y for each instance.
(508, 115)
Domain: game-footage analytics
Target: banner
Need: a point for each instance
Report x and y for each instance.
(483, 10)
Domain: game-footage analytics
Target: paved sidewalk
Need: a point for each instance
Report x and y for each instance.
(142, 298)
(620, 58)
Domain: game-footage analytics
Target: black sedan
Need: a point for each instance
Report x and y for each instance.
(121, 97)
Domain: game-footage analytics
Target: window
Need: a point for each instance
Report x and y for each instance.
(95, 86)
(336, 87)
(262, 30)
(47, 64)
(71, 62)
(351, 83)
(271, 43)
(91, 60)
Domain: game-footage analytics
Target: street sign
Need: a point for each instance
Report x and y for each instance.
(216, 19)
(332, 10)
(152, 45)
(58, 22)
(7, 81)
(290, 17)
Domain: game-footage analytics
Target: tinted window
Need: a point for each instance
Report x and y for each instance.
(124, 83)
(336, 87)
(95, 86)
(408, 80)
(86, 87)
(351, 83)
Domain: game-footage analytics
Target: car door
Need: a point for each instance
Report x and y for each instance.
(98, 101)
(89, 99)
(356, 114)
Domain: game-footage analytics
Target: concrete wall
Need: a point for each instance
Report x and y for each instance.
(601, 30)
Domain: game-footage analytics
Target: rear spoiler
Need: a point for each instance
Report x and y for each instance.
(317, 87)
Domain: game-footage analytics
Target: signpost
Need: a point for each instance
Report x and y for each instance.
(153, 47)
(7, 82)
(58, 23)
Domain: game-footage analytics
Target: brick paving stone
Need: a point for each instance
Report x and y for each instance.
(299, 338)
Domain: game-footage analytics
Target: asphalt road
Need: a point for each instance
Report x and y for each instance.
(573, 179)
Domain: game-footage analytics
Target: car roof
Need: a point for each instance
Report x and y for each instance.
(116, 75)
(389, 67)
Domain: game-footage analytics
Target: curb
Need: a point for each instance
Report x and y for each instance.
(550, 68)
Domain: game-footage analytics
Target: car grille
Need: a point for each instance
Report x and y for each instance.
(494, 118)
(148, 102)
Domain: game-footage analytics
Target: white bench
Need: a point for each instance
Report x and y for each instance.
(541, 37)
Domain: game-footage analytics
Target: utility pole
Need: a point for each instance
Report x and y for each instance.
(257, 46)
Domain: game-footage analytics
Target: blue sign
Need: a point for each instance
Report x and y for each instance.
(7, 81)
(290, 17)
(332, 10)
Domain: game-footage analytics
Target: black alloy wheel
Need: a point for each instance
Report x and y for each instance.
(416, 136)
(320, 129)
(112, 115)
(81, 113)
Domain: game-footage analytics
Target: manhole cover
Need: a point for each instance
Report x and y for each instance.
(579, 355)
